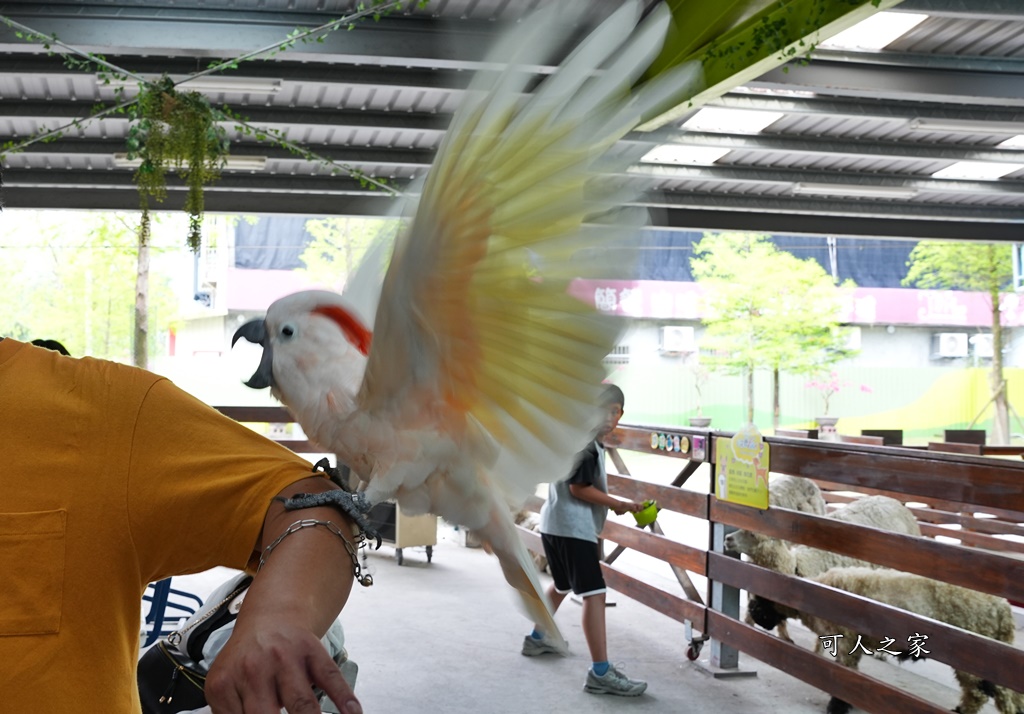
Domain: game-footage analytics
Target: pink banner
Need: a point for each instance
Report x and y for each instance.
(655, 299)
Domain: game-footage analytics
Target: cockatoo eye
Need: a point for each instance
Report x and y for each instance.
(287, 331)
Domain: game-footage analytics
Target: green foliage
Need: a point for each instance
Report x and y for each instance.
(176, 129)
(979, 267)
(179, 129)
(974, 266)
(71, 277)
(729, 36)
(766, 308)
(339, 244)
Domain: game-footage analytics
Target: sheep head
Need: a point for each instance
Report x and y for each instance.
(764, 612)
(743, 541)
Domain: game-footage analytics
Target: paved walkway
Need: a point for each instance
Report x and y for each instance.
(445, 637)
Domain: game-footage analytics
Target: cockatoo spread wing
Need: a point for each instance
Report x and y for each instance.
(476, 329)
(482, 375)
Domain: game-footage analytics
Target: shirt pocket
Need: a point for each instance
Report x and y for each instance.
(31, 572)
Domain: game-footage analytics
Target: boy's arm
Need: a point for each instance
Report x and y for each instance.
(590, 494)
(581, 485)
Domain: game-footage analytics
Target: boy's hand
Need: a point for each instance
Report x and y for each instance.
(628, 507)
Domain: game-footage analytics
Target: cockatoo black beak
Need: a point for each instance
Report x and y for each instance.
(255, 331)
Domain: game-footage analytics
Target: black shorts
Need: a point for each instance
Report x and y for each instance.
(575, 565)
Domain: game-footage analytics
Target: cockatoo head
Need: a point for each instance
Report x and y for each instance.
(310, 341)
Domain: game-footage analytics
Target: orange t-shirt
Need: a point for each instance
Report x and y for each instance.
(110, 478)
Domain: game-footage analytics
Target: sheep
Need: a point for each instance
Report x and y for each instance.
(977, 612)
(875, 511)
(797, 494)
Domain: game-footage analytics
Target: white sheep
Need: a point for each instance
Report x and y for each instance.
(796, 494)
(977, 612)
(876, 511)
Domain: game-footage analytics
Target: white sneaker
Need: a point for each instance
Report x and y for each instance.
(532, 647)
(613, 682)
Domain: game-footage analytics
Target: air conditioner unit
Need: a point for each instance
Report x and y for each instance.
(677, 339)
(949, 344)
(982, 344)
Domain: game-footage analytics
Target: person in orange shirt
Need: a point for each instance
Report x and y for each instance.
(111, 478)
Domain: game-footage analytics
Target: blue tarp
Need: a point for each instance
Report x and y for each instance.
(276, 242)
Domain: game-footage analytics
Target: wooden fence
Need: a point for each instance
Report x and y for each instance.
(982, 495)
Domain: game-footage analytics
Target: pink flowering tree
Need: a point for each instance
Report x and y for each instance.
(829, 385)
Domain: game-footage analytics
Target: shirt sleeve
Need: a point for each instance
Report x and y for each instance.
(585, 472)
(199, 485)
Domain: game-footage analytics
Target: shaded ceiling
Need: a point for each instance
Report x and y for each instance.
(853, 152)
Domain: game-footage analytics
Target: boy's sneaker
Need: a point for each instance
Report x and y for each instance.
(533, 647)
(613, 682)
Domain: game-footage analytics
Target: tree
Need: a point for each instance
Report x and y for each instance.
(978, 267)
(71, 278)
(766, 309)
(339, 244)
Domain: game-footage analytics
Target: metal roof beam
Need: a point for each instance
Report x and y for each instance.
(271, 188)
(260, 183)
(723, 173)
(215, 202)
(675, 217)
(292, 117)
(380, 156)
(792, 104)
(854, 149)
(787, 177)
(416, 78)
(967, 9)
(897, 83)
(921, 60)
(392, 41)
(852, 226)
(785, 204)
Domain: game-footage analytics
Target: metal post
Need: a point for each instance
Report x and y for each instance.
(725, 599)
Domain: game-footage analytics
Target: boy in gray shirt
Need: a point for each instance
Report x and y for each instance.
(571, 521)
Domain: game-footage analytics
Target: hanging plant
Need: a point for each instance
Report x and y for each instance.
(179, 129)
(176, 130)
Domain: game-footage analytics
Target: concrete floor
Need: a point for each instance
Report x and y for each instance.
(445, 637)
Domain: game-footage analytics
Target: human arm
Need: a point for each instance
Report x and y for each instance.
(583, 477)
(274, 655)
(592, 494)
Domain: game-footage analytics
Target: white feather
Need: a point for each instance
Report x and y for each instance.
(484, 372)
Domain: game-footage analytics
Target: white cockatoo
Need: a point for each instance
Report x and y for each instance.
(481, 375)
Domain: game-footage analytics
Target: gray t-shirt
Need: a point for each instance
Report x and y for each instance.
(567, 516)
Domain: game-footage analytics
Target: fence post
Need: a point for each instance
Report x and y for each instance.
(724, 599)
(724, 660)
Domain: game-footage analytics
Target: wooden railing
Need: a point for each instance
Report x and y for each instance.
(270, 415)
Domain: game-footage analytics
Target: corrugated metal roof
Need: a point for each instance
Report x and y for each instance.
(379, 97)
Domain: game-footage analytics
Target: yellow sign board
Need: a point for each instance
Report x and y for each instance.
(742, 468)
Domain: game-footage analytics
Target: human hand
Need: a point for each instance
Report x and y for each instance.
(628, 507)
(261, 671)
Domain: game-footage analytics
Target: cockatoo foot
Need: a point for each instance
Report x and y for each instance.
(353, 504)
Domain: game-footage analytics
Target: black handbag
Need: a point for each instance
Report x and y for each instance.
(166, 685)
(169, 679)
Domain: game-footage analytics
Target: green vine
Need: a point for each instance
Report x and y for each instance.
(179, 130)
(775, 33)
